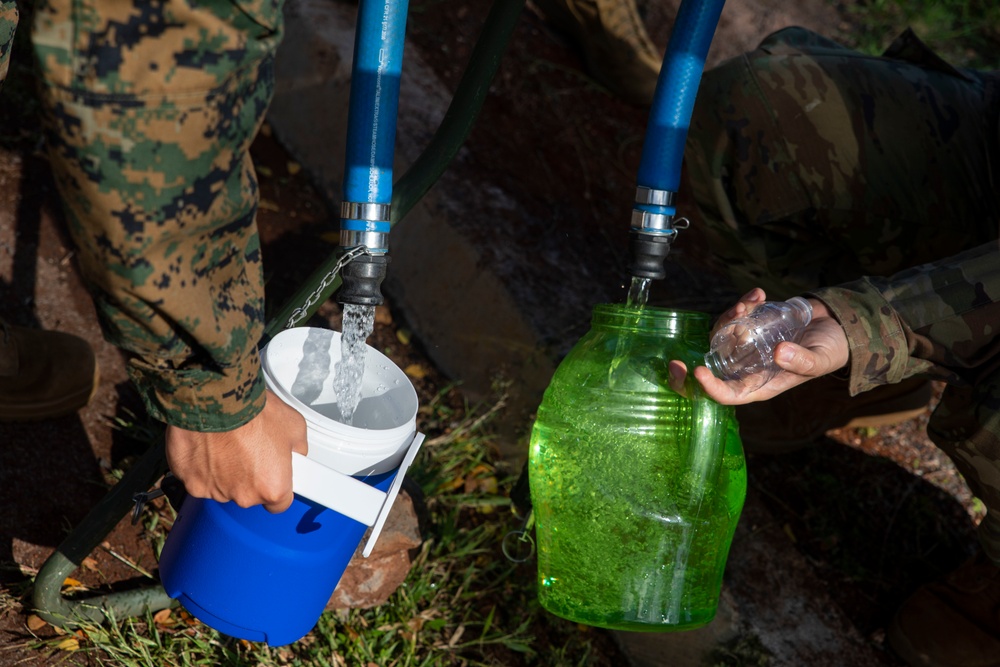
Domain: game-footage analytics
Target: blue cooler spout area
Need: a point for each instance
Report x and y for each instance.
(280, 569)
(659, 176)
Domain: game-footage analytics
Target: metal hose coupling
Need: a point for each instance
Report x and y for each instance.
(653, 231)
(364, 225)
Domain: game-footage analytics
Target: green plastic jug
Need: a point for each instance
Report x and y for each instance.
(636, 490)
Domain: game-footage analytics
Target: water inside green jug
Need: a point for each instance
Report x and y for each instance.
(636, 489)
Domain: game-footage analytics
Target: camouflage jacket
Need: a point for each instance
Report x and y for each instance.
(814, 165)
(941, 320)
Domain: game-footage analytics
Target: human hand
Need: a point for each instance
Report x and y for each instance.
(250, 465)
(822, 349)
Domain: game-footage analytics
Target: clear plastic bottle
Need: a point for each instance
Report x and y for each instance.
(636, 489)
(743, 350)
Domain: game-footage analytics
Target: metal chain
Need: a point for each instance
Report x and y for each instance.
(302, 311)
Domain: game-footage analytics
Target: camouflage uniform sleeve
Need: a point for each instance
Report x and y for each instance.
(938, 319)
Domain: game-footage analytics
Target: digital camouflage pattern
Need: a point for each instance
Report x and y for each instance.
(151, 107)
(814, 166)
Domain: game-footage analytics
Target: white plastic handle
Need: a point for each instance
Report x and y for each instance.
(341, 493)
(350, 496)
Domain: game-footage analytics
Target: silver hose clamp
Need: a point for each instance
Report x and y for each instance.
(652, 223)
(644, 195)
(649, 222)
(365, 224)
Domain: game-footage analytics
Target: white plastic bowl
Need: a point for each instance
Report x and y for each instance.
(385, 419)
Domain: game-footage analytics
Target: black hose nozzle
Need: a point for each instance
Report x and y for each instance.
(361, 280)
(647, 253)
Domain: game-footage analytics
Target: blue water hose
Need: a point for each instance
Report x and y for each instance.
(371, 122)
(365, 213)
(659, 173)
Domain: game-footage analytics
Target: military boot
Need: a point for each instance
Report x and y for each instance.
(954, 622)
(798, 417)
(43, 373)
(616, 47)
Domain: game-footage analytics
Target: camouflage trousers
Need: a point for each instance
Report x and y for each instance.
(870, 182)
(150, 110)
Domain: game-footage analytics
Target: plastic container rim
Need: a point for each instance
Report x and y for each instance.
(649, 319)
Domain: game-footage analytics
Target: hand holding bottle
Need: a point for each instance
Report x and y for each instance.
(821, 348)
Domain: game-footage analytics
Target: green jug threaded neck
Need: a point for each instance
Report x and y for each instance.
(651, 320)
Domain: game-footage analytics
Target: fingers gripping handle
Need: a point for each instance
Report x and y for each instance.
(348, 495)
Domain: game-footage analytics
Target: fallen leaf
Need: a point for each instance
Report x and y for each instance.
(71, 585)
(90, 563)
(36, 623)
(453, 484)
(483, 484)
(162, 617)
(268, 205)
(293, 167)
(416, 371)
(403, 336)
(263, 170)
(69, 644)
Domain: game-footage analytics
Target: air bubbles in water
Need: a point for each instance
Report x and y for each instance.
(314, 368)
(359, 321)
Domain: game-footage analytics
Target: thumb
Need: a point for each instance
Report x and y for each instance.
(797, 359)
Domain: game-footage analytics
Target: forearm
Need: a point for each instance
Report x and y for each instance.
(938, 319)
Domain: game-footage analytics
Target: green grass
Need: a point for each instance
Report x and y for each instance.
(966, 33)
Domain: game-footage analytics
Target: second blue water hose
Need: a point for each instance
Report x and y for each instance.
(676, 90)
(659, 175)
